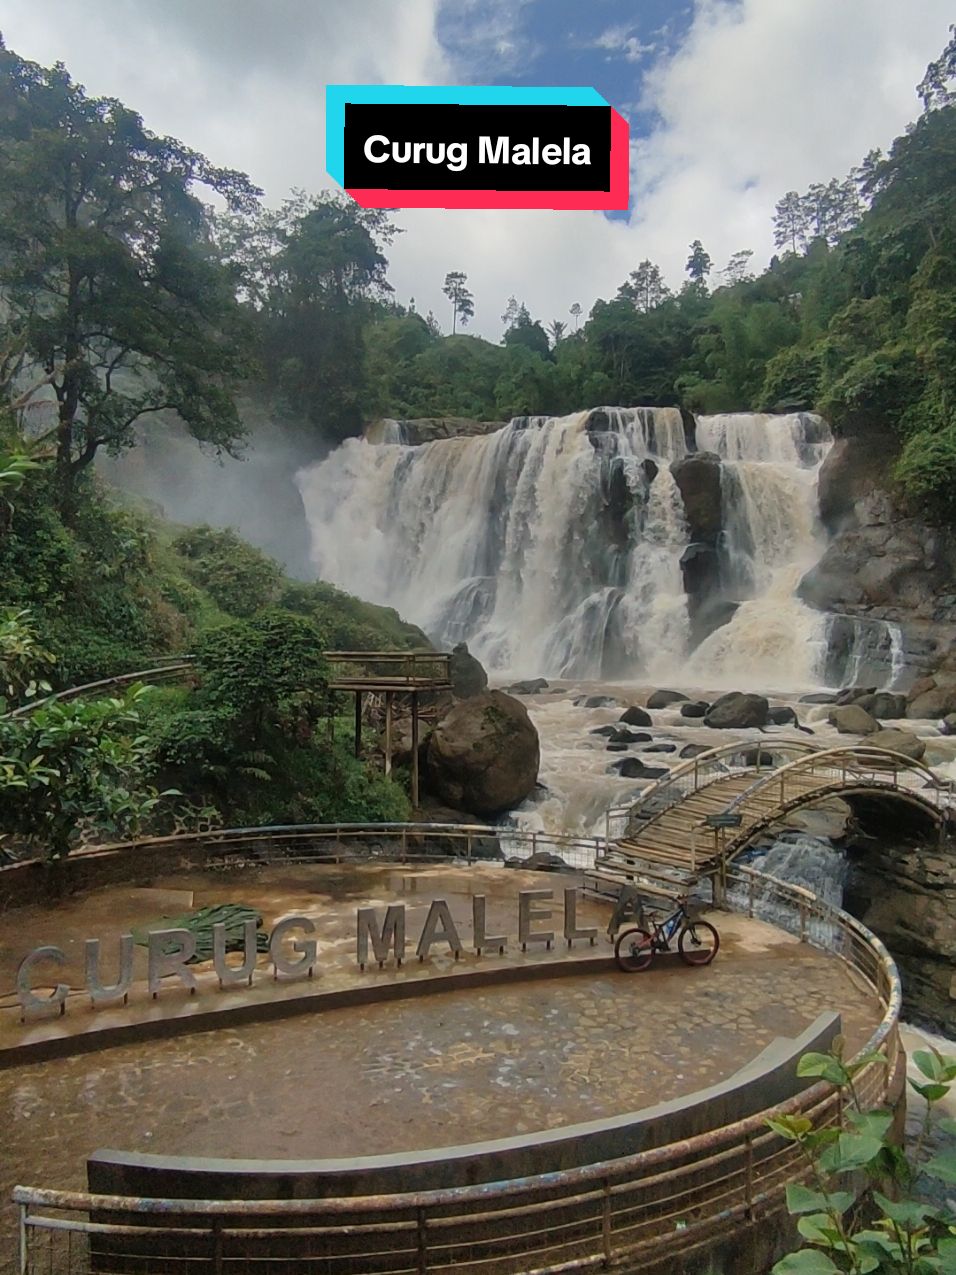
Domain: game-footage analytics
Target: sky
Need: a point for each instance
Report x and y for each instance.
(731, 103)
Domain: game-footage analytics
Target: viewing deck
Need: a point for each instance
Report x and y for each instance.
(391, 673)
(380, 671)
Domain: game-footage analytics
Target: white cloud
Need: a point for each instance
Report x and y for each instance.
(768, 96)
(761, 97)
(241, 80)
(619, 40)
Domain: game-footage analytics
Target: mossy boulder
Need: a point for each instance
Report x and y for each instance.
(483, 755)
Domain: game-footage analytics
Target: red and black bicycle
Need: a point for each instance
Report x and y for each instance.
(697, 941)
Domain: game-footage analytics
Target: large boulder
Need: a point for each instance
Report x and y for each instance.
(898, 741)
(663, 699)
(483, 755)
(853, 720)
(852, 694)
(934, 704)
(737, 711)
(465, 673)
(698, 479)
(530, 686)
(633, 768)
(696, 708)
(884, 704)
(635, 716)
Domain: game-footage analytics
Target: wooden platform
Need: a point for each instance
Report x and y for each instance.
(390, 673)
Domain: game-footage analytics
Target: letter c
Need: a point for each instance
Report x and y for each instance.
(375, 159)
(25, 994)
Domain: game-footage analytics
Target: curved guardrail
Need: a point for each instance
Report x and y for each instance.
(642, 1210)
(179, 665)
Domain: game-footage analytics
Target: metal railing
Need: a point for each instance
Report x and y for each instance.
(397, 670)
(642, 1209)
(176, 669)
(329, 842)
(837, 767)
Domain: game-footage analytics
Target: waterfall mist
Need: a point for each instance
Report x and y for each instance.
(256, 495)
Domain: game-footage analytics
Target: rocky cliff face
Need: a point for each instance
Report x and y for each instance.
(427, 429)
(882, 564)
(908, 898)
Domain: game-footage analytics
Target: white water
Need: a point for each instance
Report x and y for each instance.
(555, 550)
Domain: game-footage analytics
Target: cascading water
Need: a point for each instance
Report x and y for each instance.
(551, 545)
(554, 545)
(799, 859)
(771, 537)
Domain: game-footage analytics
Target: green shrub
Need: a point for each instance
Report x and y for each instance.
(238, 577)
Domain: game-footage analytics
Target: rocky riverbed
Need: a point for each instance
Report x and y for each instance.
(905, 891)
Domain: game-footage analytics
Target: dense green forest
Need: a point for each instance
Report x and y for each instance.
(138, 280)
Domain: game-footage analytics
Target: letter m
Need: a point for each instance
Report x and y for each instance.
(391, 935)
(498, 154)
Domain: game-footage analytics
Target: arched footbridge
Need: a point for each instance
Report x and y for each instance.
(699, 817)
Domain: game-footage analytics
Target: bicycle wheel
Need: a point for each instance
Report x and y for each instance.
(634, 950)
(698, 943)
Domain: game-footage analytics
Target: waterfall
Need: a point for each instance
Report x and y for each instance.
(863, 652)
(553, 546)
(803, 860)
(812, 862)
(771, 535)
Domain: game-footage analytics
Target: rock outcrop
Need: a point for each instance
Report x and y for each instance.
(698, 480)
(908, 897)
(882, 563)
(427, 429)
(466, 674)
(737, 711)
(483, 755)
(853, 720)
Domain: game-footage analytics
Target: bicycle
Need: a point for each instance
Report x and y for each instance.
(697, 941)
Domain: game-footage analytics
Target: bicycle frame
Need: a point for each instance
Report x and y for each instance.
(665, 930)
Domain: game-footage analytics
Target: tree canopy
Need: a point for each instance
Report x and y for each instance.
(116, 297)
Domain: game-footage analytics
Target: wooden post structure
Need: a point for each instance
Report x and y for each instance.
(415, 750)
(358, 723)
(388, 732)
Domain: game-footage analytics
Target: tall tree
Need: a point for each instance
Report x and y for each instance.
(938, 86)
(698, 265)
(108, 269)
(832, 209)
(515, 312)
(644, 287)
(575, 313)
(315, 272)
(737, 269)
(790, 222)
(455, 289)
